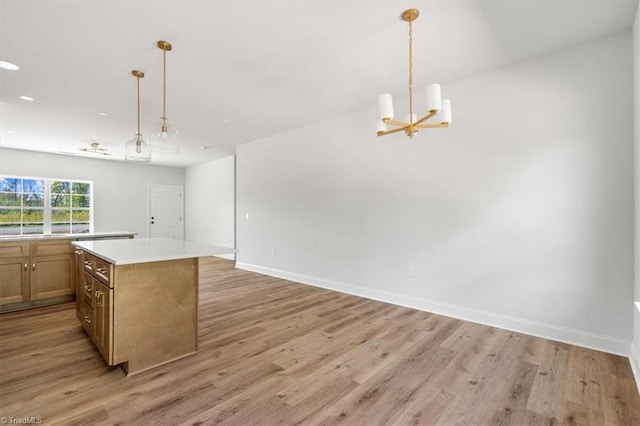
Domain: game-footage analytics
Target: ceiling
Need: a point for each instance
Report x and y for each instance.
(244, 70)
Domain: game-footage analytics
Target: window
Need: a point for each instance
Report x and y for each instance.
(45, 206)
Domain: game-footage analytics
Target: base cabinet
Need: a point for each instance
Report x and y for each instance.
(139, 315)
(52, 276)
(103, 329)
(94, 304)
(36, 273)
(14, 280)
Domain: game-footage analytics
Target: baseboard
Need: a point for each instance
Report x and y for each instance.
(634, 358)
(539, 329)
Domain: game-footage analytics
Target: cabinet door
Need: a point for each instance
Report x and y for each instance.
(52, 276)
(87, 318)
(14, 280)
(103, 315)
(78, 267)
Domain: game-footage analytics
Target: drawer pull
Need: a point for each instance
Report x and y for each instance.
(87, 262)
(101, 270)
(87, 289)
(87, 319)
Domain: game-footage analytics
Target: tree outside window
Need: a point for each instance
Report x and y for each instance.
(43, 205)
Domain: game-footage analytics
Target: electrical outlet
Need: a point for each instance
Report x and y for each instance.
(411, 272)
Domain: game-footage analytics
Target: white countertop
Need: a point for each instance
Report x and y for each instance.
(84, 236)
(141, 250)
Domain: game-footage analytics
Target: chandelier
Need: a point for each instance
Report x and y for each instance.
(438, 108)
(164, 138)
(137, 150)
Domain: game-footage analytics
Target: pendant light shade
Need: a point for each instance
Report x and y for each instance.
(163, 137)
(137, 150)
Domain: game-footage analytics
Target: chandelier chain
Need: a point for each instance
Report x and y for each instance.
(410, 73)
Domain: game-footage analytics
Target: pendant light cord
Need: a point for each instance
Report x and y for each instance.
(164, 91)
(138, 142)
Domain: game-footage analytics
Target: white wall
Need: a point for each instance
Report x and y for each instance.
(120, 189)
(635, 359)
(519, 215)
(210, 203)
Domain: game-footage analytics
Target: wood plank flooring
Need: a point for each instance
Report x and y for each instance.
(273, 352)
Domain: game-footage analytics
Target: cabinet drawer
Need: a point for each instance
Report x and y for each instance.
(88, 289)
(10, 250)
(103, 271)
(89, 262)
(46, 248)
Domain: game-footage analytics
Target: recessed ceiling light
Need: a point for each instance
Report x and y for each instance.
(9, 66)
(13, 132)
(26, 98)
(104, 114)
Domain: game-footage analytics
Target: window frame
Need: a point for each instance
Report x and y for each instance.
(47, 209)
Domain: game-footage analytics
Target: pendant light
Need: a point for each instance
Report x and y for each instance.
(437, 108)
(137, 150)
(164, 138)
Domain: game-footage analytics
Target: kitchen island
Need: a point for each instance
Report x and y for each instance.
(139, 301)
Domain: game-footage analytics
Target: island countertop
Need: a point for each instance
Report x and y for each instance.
(142, 250)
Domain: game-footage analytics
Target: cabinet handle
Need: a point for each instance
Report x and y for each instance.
(87, 262)
(78, 252)
(86, 319)
(101, 270)
(87, 289)
(25, 266)
(99, 298)
(34, 266)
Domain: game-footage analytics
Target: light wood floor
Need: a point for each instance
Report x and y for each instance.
(275, 352)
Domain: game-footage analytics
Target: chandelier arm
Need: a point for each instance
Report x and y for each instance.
(395, 122)
(433, 126)
(388, 132)
(426, 117)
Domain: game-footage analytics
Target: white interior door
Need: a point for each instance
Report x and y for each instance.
(166, 212)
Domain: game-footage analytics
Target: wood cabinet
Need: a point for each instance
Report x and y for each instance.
(139, 315)
(103, 326)
(79, 282)
(94, 304)
(14, 273)
(36, 273)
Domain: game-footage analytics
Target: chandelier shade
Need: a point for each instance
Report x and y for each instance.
(437, 108)
(164, 138)
(137, 150)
